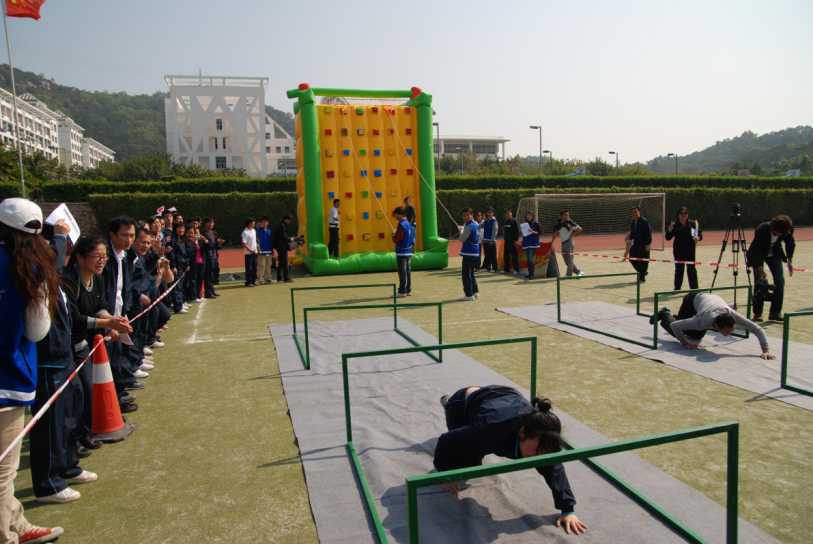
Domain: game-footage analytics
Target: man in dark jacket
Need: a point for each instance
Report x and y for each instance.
(510, 235)
(766, 248)
(639, 240)
(282, 239)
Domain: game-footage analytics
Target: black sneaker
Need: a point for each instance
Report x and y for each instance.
(129, 407)
(83, 453)
(444, 400)
(757, 317)
(133, 386)
(775, 318)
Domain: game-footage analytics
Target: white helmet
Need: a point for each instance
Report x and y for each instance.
(21, 214)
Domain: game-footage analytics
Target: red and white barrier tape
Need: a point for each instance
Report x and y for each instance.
(41, 412)
(642, 259)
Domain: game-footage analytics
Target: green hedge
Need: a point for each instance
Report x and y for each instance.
(711, 205)
(77, 191)
(8, 190)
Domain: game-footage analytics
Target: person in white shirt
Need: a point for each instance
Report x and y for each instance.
(249, 241)
(333, 229)
(566, 229)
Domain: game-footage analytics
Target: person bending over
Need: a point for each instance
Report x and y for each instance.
(498, 420)
(701, 312)
(766, 249)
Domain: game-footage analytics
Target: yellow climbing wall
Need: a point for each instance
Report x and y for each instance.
(369, 162)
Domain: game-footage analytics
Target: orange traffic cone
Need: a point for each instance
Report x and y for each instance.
(108, 425)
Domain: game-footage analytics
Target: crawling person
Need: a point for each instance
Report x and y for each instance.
(498, 420)
(701, 312)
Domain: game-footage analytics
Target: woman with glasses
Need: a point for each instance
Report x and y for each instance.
(686, 234)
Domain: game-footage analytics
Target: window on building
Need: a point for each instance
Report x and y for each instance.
(279, 133)
(267, 135)
(287, 149)
(279, 149)
(219, 125)
(213, 142)
(220, 163)
(224, 142)
(268, 149)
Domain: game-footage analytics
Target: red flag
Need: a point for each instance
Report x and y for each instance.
(24, 8)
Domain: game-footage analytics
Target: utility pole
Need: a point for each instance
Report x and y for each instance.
(676, 161)
(616, 158)
(539, 128)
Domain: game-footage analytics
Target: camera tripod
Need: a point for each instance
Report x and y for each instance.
(736, 236)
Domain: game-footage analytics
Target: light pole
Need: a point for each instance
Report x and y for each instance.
(550, 155)
(616, 158)
(539, 128)
(676, 161)
(437, 138)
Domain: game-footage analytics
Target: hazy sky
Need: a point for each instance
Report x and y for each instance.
(643, 77)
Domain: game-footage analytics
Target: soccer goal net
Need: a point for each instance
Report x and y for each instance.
(605, 215)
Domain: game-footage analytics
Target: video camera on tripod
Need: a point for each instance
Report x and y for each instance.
(736, 236)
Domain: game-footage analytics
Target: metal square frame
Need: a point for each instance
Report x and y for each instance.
(783, 382)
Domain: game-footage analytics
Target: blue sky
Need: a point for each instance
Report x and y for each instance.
(641, 77)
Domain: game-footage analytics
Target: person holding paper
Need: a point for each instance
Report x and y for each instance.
(686, 234)
(530, 241)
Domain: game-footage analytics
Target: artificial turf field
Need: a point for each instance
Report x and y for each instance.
(214, 460)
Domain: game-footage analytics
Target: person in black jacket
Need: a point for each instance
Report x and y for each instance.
(179, 263)
(686, 234)
(639, 240)
(498, 420)
(282, 241)
(766, 248)
(510, 235)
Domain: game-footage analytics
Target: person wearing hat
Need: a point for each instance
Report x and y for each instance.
(28, 295)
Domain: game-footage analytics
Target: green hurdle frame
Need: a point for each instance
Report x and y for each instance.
(294, 290)
(369, 500)
(395, 307)
(783, 383)
(730, 429)
(734, 288)
(638, 312)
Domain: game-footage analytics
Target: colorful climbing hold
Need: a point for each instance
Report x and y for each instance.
(409, 151)
(376, 132)
(330, 195)
(346, 152)
(362, 152)
(363, 173)
(359, 111)
(348, 194)
(365, 215)
(408, 131)
(377, 173)
(365, 194)
(331, 174)
(344, 132)
(377, 152)
(378, 194)
(393, 171)
(349, 237)
(328, 132)
(381, 236)
(359, 132)
(410, 171)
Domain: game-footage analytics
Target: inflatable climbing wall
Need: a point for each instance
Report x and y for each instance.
(370, 157)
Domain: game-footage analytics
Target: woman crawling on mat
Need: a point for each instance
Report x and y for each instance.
(498, 420)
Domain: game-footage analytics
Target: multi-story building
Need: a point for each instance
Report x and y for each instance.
(480, 146)
(94, 152)
(37, 124)
(71, 135)
(279, 148)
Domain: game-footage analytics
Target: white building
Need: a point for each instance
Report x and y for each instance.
(481, 146)
(279, 148)
(94, 152)
(37, 124)
(71, 135)
(217, 122)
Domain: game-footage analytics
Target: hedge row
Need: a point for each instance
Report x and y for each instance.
(711, 205)
(77, 191)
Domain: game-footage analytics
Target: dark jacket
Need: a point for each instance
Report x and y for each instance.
(281, 237)
(493, 415)
(179, 256)
(683, 248)
(110, 276)
(56, 349)
(640, 232)
(409, 212)
(88, 304)
(761, 245)
(510, 230)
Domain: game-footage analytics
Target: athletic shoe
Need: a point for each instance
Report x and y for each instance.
(775, 318)
(128, 407)
(141, 374)
(145, 366)
(467, 298)
(183, 311)
(476, 295)
(580, 273)
(757, 317)
(409, 294)
(444, 400)
(41, 535)
(85, 477)
(133, 386)
(125, 398)
(401, 295)
(148, 360)
(157, 344)
(199, 300)
(147, 351)
(82, 452)
(66, 495)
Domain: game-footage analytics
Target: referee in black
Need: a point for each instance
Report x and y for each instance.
(766, 248)
(639, 239)
(686, 234)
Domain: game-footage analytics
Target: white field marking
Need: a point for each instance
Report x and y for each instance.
(194, 337)
(239, 338)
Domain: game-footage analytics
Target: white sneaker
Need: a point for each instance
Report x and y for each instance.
(198, 300)
(147, 351)
(476, 295)
(580, 274)
(145, 366)
(186, 305)
(84, 478)
(401, 295)
(66, 495)
(183, 311)
(157, 344)
(140, 374)
(467, 298)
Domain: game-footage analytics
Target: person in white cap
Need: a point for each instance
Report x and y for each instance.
(29, 289)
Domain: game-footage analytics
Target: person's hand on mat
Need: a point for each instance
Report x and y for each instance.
(689, 345)
(571, 524)
(768, 356)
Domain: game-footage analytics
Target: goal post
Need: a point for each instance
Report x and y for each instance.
(605, 215)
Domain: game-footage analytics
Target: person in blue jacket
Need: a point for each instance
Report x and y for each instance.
(470, 252)
(404, 239)
(29, 289)
(530, 241)
(498, 420)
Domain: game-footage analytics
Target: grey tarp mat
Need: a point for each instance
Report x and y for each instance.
(730, 360)
(396, 419)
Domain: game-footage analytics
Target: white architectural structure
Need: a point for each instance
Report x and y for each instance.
(481, 146)
(38, 125)
(279, 148)
(71, 135)
(217, 122)
(94, 152)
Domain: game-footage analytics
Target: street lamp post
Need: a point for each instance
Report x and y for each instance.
(550, 155)
(539, 128)
(437, 138)
(676, 161)
(616, 158)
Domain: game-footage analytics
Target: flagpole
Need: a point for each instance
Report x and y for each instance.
(14, 102)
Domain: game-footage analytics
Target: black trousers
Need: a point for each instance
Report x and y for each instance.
(490, 260)
(404, 275)
(120, 365)
(640, 266)
(691, 272)
(333, 244)
(282, 265)
(85, 378)
(778, 273)
(208, 277)
(510, 256)
(685, 312)
(53, 444)
(469, 268)
(251, 268)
